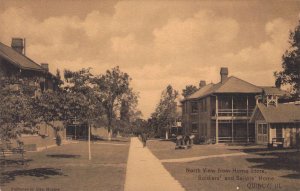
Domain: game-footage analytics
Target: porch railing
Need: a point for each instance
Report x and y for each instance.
(236, 139)
(235, 112)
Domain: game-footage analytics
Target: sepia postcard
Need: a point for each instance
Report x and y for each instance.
(149, 95)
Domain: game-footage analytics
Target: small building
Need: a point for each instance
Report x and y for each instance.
(276, 121)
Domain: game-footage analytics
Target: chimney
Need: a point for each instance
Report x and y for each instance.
(45, 66)
(202, 83)
(17, 44)
(224, 74)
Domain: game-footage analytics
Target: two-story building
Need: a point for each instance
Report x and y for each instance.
(219, 113)
(16, 67)
(17, 72)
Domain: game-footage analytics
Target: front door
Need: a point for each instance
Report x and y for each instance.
(262, 133)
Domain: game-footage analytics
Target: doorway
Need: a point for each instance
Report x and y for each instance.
(262, 133)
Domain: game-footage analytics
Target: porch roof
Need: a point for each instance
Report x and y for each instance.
(282, 113)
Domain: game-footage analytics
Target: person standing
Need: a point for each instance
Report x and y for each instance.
(144, 139)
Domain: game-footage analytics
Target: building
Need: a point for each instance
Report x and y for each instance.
(16, 67)
(18, 71)
(276, 122)
(219, 113)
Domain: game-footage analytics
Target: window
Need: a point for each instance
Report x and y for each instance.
(186, 107)
(265, 129)
(260, 129)
(278, 132)
(194, 128)
(203, 105)
(203, 129)
(194, 106)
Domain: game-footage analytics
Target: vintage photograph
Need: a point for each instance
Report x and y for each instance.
(149, 95)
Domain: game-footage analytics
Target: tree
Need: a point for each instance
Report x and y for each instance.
(140, 126)
(291, 64)
(15, 110)
(128, 107)
(189, 90)
(113, 88)
(77, 99)
(81, 99)
(16, 117)
(165, 113)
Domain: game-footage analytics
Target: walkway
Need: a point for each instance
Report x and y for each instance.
(145, 172)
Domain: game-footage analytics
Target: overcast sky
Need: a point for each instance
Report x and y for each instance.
(156, 42)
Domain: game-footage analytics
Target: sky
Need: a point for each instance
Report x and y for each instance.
(156, 42)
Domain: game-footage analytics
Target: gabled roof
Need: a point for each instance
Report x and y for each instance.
(269, 90)
(282, 113)
(201, 92)
(236, 85)
(19, 60)
(230, 85)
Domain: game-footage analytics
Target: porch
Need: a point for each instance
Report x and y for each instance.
(77, 131)
(236, 131)
(227, 106)
(288, 134)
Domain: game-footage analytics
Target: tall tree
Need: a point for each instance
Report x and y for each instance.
(189, 90)
(128, 106)
(165, 113)
(113, 87)
(291, 64)
(81, 99)
(129, 113)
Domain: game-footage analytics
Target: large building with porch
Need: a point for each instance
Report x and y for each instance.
(220, 113)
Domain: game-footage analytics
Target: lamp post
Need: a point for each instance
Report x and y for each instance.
(75, 126)
(89, 141)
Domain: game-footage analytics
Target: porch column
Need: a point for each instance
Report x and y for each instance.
(199, 120)
(247, 120)
(232, 119)
(217, 123)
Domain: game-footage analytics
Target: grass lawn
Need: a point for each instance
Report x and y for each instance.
(166, 150)
(67, 168)
(278, 167)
